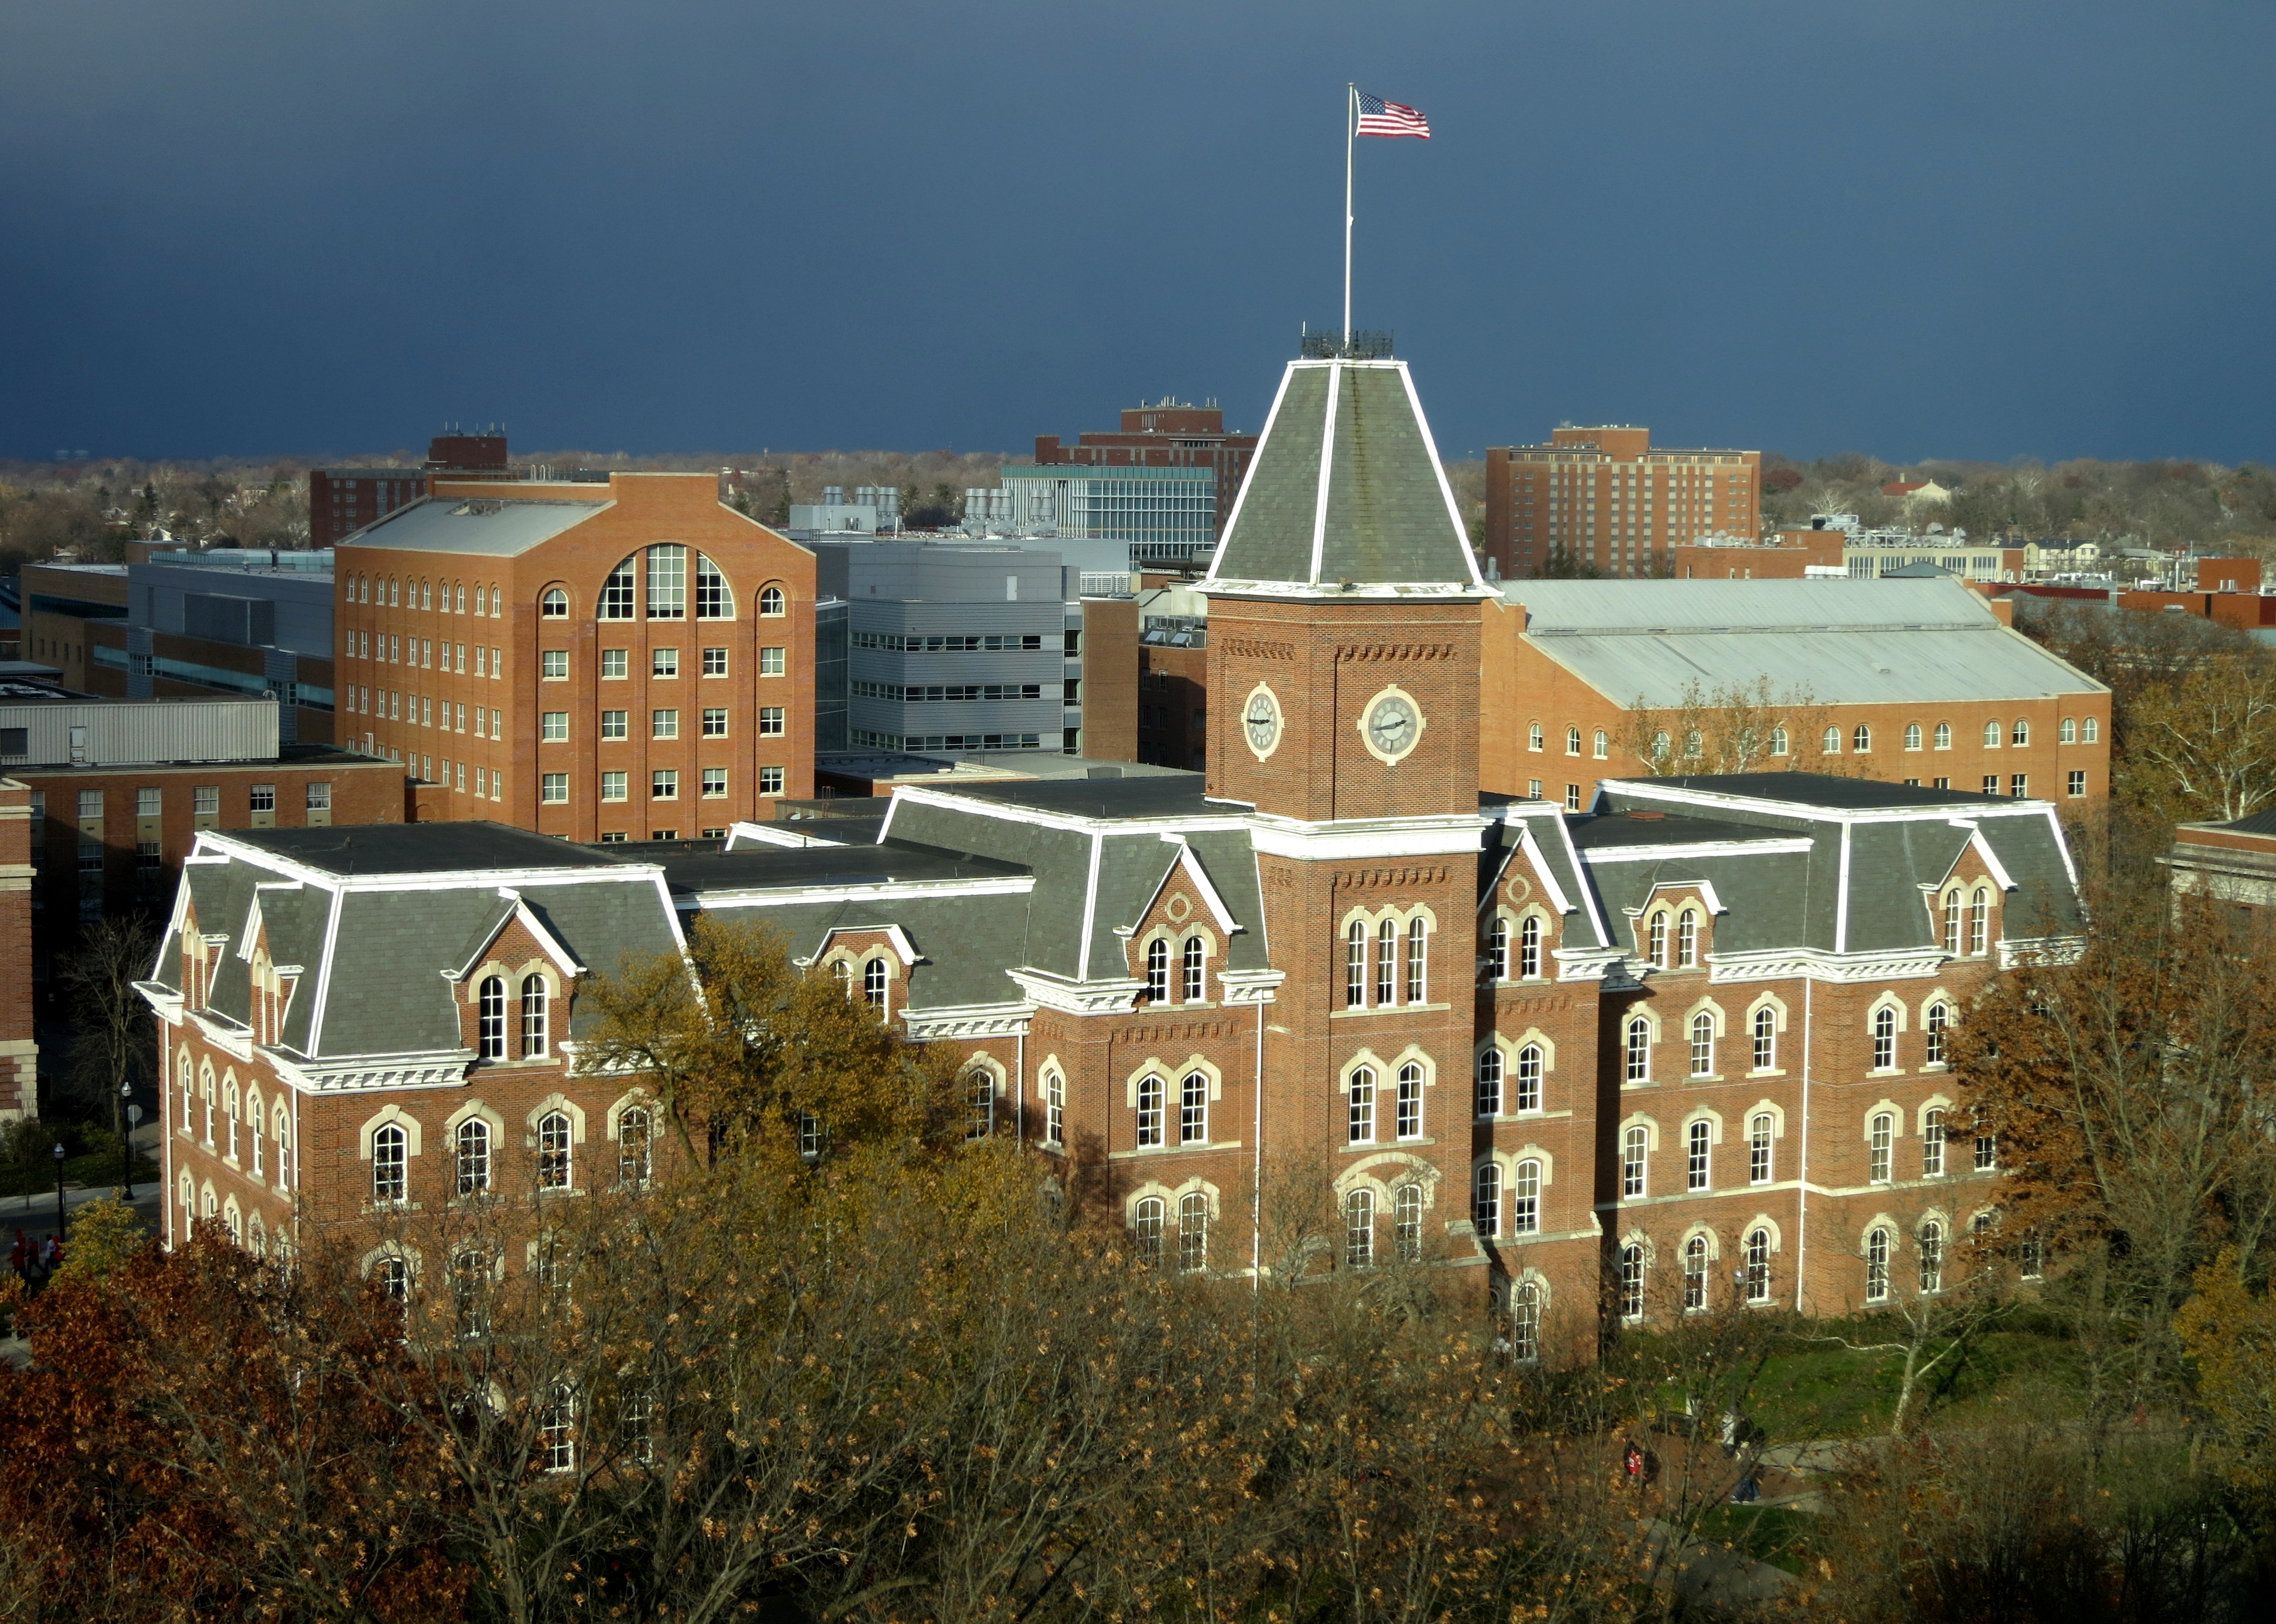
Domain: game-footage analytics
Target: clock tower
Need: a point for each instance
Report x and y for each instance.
(1344, 649)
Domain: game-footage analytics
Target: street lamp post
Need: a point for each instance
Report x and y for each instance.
(126, 1153)
(59, 1195)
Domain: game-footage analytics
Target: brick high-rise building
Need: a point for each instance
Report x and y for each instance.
(342, 501)
(628, 661)
(1608, 499)
(1167, 434)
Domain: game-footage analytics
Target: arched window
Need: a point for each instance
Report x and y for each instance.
(557, 1429)
(278, 1121)
(1953, 901)
(426, 595)
(1703, 1045)
(1533, 736)
(1528, 1077)
(1193, 1109)
(253, 1128)
(460, 589)
(1884, 1039)
(1054, 1109)
(1880, 1138)
(1529, 947)
(470, 1292)
(1699, 1140)
(555, 1149)
(1758, 1148)
(981, 1082)
(1196, 956)
(473, 1157)
(533, 1017)
(1497, 949)
(1861, 739)
(229, 1111)
(1639, 1049)
(809, 1135)
(617, 594)
(497, 603)
(667, 581)
(1363, 1106)
(1992, 735)
(1407, 1223)
(1158, 971)
(1655, 938)
(394, 592)
(1979, 923)
(1831, 743)
(636, 1147)
(1602, 744)
(389, 1171)
(1932, 1257)
(1876, 1264)
(770, 601)
(1687, 939)
(1777, 741)
(1944, 735)
(1936, 1020)
(2021, 735)
(1912, 735)
(491, 1027)
(1765, 1024)
(1485, 1201)
(1525, 1322)
(1571, 741)
(2090, 730)
(1386, 963)
(1490, 1081)
(1695, 1274)
(713, 600)
(1525, 1198)
(393, 1274)
(1632, 1282)
(1151, 1092)
(1410, 1100)
(1355, 966)
(1933, 1143)
(553, 606)
(1193, 1232)
(2066, 732)
(1758, 1266)
(1145, 1230)
(1359, 1229)
(1636, 1154)
(873, 981)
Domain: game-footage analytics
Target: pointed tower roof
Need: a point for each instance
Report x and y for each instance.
(1345, 497)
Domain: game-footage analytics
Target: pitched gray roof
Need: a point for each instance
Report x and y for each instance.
(1344, 487)
(498, 526)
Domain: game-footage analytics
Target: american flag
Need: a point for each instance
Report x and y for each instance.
(1377, 117)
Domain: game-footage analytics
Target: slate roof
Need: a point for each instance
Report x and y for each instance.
(499, 526)
(423, 849)
(1831, 794)
(1345, 487)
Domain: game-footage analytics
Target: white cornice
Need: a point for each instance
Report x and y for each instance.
(210, 842)
(164, 1002)
(444, 1068)
(1662, 789)
(1361, 592)
(950, 800)
(1604, 964)
(1595, 857)
(1093, 998)
(968, 1021)
(1447, 835)
(1784, 964)
(1246, 987)
(795, 896)
(2031, 950)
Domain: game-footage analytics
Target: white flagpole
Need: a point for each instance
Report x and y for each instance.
(1351, 129)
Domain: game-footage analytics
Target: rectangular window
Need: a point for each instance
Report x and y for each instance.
(663, 723)
(617, 594)
(663, 662)
(1990, 783)
(770, 661)
(90, 803)
(149, 803)
(553, 664)
(613, 786)
(715, 782)
(612, 836)
(663, 784)
(713, 601)
(1572, 798)
(262, 798)
(616, 725)
(320, 797)
(554, 788)
(715, 722)
(770, 721)
(615, 663)
(205, 801)
(667, 581)
(715, 662)
(2019, 786)
(427, 652)
(771, 780)
(2077, 785)
(481, 669)
(553, 726)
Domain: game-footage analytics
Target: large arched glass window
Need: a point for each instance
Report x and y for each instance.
(1410, 1100)
(2021, 735)
(617, 594)
(1525, 1198)
(557, 1429)
(533, 1017)
(473, 1157)
(490, 1024)
(1359, 1229)
(1943, 735)
(1932, 1257)
(1193, 1232)
(1695, 1274)
(1355, 966)
(389, 1171)
(1955, 903)
(1992, 735)
(667, 581)
(1766, 1039)
(553, 606)
(1912, 735)
(1529, 1068)
(555, 1149)
(636, 1147)
(394, 1276)
(470, 1291)
(1639, 1049)
(1831, 743)
(1635, 1156)
(1193, 1109)
(1150, 1091)
(713, 600)
(1145, 1230)
(280, 1136)
(1861, 739)
(1758, 1266)
(1632, 1282)
(1884, 1039)
(1490, 1081)
(1703, 1045)
(1877, 1265)
(1485, 1201)
(1529, 947)
(1363, 1106)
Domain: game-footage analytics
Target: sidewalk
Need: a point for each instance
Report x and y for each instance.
(36, 1214)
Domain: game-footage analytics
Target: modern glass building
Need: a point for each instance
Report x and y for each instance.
(1168, 515)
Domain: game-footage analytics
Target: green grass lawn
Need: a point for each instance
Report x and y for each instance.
(1767, 1533)
(97, 1169)
(1824, 1390)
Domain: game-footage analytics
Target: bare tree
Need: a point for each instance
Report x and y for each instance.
(1731, 727)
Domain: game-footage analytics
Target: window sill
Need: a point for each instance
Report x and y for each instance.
(1386, 1145)
(1706, 1077)
(1147, 1152)
(1353, 1013)
(1775, 1071)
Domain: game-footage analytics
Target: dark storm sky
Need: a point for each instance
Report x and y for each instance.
(1975, 229)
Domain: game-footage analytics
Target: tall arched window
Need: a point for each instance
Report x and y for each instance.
(393, 1274)
(1603, 743)
(1937, 1018)
(1359, 1229)
(470, 1291)
(1687, 939)
(1386, 963)
(1525, 1322)
(490, 1024)
(1490, 1081)
(636, 1147)
(533, 1017)
(1830, 744)
(1880, 1139)
(1979, 923)
(1954, 902)
(1192, 1109)
(1766, 1039)
(1485, 1201)
(473, 1157)
(1193, 1232)
(1932, 1143)
(1912, 735)
(1655, 946)
(1777, 741)
(1363, 1106)
(1529, 1068)
(2022, 734)
(1054, 1109)
(553, 606)
(1932, 1257)
(1497, 949)
(1698, 1150)
(1145, 1230)
(980, 1084)
(1943, 735)
(390, 1168)
(1529, 947)
(667, 581)
(1758, 1148)
(1533, 740)
(1861, 739)
(1992, 735)
(557, 1429)
(230, 1112)
(713, 600)
(1703, 1045)
(555, 1148)
(1695, 1274)
(1632, 1282)
(617, 594)
(1355, 966)
(1151, 1090)
(874, 977)
(1407, 1223)
(281, 1136)
(1525, 1198)
(1758, 1266)
(770, 601)
(1877, 1265)
(1884, 1039)
(1158, 971)
(1197, 957)
(1635, 1156)
(1410, 1100)
(1571, 741)
(252, 1129)
(1639, 1049)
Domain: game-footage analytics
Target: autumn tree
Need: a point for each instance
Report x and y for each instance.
(2204, 746)
(1730, 727)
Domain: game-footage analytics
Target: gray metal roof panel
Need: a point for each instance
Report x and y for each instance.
(496, 527)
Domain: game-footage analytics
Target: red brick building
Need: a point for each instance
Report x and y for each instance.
(1167, 434)
(1606, 497)
(19, 1049)
(342, 501)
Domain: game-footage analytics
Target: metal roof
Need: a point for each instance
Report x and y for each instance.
(496, 526)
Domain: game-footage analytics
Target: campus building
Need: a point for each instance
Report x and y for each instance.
(1164, 433)
(1324, 1007)
(1607, 498)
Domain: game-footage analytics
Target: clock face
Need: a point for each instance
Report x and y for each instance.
(1260, 721)
(1391, 724)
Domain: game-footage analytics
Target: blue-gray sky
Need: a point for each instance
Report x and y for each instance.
(1969, 228)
